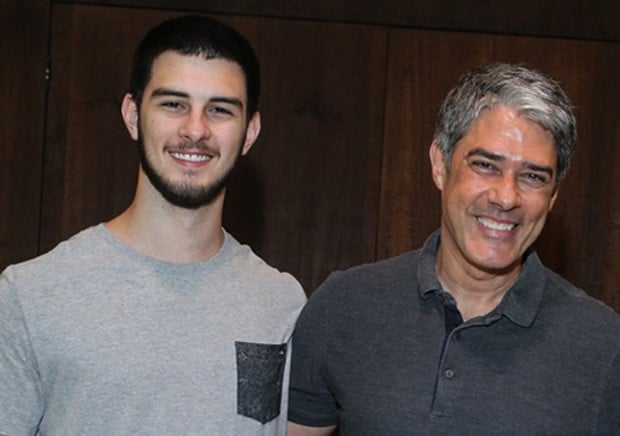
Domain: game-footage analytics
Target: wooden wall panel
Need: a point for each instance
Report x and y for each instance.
(606, 159)
(305, 198)
(23, 45)
(424, 65)
(91, 165)
(581, 19)
(318, 160)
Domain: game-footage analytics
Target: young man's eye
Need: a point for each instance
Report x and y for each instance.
(221, 110)
(172, 104)
(220, 113)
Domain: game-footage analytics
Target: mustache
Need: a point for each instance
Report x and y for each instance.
(199, 146)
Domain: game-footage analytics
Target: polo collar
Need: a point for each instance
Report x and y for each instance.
(520, 304)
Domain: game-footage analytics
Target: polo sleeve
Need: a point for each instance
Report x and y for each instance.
(21, 404)
(609, 411)
(311, 402)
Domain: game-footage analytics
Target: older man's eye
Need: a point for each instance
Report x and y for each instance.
(483, 166)
(535, 179)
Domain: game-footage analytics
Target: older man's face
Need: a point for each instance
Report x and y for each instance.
(497, 193)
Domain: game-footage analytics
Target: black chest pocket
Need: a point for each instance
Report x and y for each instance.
(260, 372)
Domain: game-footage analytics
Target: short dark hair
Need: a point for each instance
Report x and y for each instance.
(534, 95)
(196, 35)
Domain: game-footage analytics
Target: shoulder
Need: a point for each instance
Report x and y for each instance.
(366, 290)
(242, 263)
(70, 273)
(573, 302)
(582, 324)
(45, 280)
(351, 302)
(380, 276)
(73, 253)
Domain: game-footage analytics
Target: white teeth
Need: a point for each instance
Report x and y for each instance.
(495, 225)
(190, 157)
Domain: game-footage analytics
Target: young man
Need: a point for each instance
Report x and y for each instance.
(158, 321)
(470, 334)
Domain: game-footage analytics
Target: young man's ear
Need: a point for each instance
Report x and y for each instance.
(438, 165)
(129, 112)
(251, 133)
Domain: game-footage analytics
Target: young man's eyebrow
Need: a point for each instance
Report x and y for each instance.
(500, 158)
(229, 100)
(167, 92)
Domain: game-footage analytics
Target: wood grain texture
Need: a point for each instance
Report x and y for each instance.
(317, 164)
(22, 86)
(581, 19)
(91, 164)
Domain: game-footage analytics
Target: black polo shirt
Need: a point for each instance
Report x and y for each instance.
(378, 351)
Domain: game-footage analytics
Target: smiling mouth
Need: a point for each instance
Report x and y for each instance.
(190, 157)
(494, 225)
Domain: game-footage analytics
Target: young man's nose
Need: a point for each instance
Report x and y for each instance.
(195, 127)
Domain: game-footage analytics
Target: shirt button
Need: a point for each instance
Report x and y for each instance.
(449, 373)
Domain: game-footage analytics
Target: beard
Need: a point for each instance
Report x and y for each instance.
(183, 195)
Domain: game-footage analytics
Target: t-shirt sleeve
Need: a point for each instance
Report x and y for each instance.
(20, 400)
(311, 402)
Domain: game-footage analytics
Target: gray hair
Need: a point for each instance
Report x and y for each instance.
(532, 94)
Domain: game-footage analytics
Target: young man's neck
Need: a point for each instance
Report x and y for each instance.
(170, 233)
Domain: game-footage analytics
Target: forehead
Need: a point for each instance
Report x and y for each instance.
(195, 73)
(502, 131)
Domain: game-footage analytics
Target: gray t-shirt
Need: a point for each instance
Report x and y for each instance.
(96, 338)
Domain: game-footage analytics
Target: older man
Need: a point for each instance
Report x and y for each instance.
(470, 334)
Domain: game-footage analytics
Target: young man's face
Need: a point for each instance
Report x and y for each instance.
(192, 126)
(497, 193)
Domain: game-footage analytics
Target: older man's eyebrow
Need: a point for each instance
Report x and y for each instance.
(486, 154)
